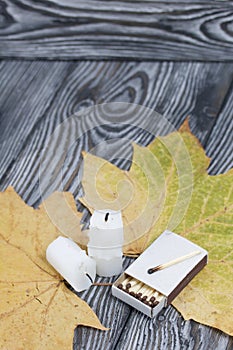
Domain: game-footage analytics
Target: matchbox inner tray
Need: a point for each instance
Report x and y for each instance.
(167, 282)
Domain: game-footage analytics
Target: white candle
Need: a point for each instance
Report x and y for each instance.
(78, 269)
(106, 238)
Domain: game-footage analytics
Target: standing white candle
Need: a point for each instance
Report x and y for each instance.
(78, 269)
(106, 238)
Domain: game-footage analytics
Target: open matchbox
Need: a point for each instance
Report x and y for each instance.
(167, 282)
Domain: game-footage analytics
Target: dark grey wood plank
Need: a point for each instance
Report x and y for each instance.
(169, 331)
(172, 88)
(211, 99)
(26, 89)
(221, 138)
(170, 30)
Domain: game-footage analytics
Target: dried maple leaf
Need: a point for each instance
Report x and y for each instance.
(37, 310)
(155, 192)
(166, 189)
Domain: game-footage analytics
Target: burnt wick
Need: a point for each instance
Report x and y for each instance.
(88, 276)
(106, 217)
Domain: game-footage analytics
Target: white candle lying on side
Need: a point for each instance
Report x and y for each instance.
(106, 238)
(78, 269)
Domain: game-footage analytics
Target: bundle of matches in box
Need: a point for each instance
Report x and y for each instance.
(140, 291)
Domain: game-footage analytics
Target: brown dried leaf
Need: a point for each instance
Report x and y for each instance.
(37, 310)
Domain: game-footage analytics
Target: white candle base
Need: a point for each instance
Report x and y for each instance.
(72, 263)
(106, 238)
(108, 268)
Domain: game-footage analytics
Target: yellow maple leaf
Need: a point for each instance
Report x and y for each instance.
(37, 310)
(168, 187)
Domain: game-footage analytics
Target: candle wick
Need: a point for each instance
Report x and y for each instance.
(106, 217)
(88, 276)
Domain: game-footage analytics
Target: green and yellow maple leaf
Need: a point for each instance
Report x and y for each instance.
(168, 187)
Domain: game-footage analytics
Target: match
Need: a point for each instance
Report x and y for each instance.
(135, 288)
(155, 299)
(132, 283)
(173, 262)
(143, 292)
(154, 296)
(123, 285)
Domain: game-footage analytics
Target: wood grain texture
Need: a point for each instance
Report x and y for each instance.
(221, 138)
(27, 90)
(112, 313)
(31, 114)
(35, 97)
(170, 30)
(211, 99)
(169, 331)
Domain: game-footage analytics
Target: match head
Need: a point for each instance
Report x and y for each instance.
(154, 304)
(138, 295)
(154, 269)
